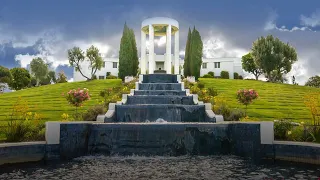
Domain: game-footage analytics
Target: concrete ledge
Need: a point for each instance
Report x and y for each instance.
(178, 78)
(140, 78)
(52, 132)
(22, 152)
(137, 85)
(303, 152)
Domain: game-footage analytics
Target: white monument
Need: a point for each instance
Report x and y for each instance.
(159, 26)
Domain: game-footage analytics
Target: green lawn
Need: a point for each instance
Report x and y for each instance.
(276, 100)
(48, 100)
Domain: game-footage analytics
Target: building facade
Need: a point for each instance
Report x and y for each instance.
(169, 63)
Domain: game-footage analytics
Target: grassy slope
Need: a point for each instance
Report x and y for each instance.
(48, 100)
(275, 101)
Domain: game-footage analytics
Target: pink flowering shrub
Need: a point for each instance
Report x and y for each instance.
(246, 97)
(76, 98)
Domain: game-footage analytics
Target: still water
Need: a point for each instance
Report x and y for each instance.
(137, 167)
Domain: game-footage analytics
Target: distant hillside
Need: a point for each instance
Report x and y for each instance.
(276, 100)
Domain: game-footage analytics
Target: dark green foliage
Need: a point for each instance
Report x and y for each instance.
(94, 77)
(273, 57)
(108, 74)
(236, 115)
(235, 75)
(111, 77)
(249, 65)
(224, 110)
(92, 113)
(196, 47)
(33, 82)
(240, 77)
(207, 76)
(200, 85)
(21, 78)
(128, 55)
(281, 129)
(313, 82)
(5, 75)
(211, 73)
(224, 74)
(45, 80)
(186, 65)
(212, 92)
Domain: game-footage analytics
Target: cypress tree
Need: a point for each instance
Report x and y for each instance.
(135, 59)
(186, 65)
(196, 47)
(125, 54)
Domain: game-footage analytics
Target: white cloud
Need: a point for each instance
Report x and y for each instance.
(70, 80)
(313, 20)
(271, 25)
(53, 48)
(216, 46)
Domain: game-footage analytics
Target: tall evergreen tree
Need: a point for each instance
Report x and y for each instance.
(128, 54)
(135, 59)
(125, 53)
(186, 65)
(196, 47)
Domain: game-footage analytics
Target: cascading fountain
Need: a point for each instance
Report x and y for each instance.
(160, 96)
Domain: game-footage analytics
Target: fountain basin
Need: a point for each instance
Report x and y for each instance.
(160, 86)
(160, 78)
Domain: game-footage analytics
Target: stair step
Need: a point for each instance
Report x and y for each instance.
(160, 92)
(158, 99)
(160, 86)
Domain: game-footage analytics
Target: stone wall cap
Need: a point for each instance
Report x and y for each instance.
(22, 143)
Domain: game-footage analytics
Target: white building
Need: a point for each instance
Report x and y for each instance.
(158, 63)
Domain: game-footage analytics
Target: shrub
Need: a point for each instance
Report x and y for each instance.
(235, 75)
(212, 92)
(111, 77)
(246, 97)
(281, 129)
(92, 113)
(76, 98)
(224, 74)
(24, 125)
(108, 74)
(240, 77)
(194, 90)
(200, 85)
(211, 73)
(105, 94)
(236, 115)
(224, 110)
(207, 76)
(94, 77)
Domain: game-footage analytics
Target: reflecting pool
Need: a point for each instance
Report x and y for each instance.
(139, 167)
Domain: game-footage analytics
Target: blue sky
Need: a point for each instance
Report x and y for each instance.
(228, 27)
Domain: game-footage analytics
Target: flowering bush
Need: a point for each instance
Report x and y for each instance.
(77, 98)
(246, 97)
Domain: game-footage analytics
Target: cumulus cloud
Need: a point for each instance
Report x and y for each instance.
(313, 20)
(52, 47)
(271, 25)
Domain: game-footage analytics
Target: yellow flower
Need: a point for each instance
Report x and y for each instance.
(289, 132)
(29, 113)
(302, 123)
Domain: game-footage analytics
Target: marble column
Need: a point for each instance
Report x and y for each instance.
(168, 50)
(143, 53)
(151, 50)
(176, 53)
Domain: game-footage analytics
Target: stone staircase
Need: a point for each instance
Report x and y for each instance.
(156, 97)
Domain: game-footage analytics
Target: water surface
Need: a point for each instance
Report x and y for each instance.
(137, 167)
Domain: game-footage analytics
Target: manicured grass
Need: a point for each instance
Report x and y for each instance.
(276, 101)
(48, 100)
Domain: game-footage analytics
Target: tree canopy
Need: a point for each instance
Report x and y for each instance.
(21, 78)
(313, 82)
(5, 75)
(273, 57)
(76, 57)
(186, 65)
(249, 65)
(39, 69)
